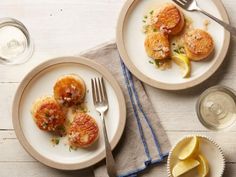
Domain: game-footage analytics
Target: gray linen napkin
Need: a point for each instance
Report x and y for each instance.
(144, 141)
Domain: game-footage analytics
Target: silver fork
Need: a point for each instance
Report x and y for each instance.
(101, 105)
(191, 5)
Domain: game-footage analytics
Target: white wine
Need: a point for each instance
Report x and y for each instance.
(15, 43)
(216, 108)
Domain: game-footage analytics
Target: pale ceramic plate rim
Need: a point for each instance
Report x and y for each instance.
(169, 86)
(200, 136)
(33, 73)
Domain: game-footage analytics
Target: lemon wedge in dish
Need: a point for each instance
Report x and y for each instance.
(203, 168)
(190, 149)
(183, 167)
(184, 63)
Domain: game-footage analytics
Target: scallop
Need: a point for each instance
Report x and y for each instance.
(69, 90)
(83, 131)
(157, 45)
(170, 19)
(198, 44)
(48, 114)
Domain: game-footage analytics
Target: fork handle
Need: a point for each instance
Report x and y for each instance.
(230, 28)
(110, 162)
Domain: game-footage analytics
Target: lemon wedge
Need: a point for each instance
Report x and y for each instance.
(203, 168)
(190, 149)
(184, 63)
(183, 167)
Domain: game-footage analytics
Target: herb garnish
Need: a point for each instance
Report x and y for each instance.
(72, 148)
(57, 141)
(47, 114)
(157, 63)
(151, 62)
(44, 125)
(176, 51)
(155, 30)
(179, 50)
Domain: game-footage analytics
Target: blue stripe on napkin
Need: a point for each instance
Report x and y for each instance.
(136, 112)
(144, 114)
(132, 91)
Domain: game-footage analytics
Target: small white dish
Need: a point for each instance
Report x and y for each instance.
(39, 82)
(208, 147)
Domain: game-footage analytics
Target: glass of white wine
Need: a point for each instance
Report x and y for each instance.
(216, 107)
(16, 45)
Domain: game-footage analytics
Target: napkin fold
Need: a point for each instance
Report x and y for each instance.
(144, 141)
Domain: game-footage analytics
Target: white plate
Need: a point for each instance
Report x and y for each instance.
(39, 82)
(210, 149)
(130, 42)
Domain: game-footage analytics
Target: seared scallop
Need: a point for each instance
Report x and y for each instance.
(157, 45)
(69, 90)
(83, 131)
(198, 44)
(170, 19)
(48, 114)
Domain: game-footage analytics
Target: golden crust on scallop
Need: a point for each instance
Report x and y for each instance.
(83, 131)
(170, 19)
(48, 114)
(198, 44)
(157, 46)
(69, 90)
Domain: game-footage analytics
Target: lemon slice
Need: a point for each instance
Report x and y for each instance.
(185, 166)
(190, 149)
(203, 168)
(184, 63)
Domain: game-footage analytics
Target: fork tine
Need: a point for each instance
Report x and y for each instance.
(100, 90)
(188, 2)
(104, 89)
(179, 3)
(184, 2)
(97, 91)
(93, 91)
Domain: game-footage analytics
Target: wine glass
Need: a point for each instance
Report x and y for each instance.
(16, 45)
